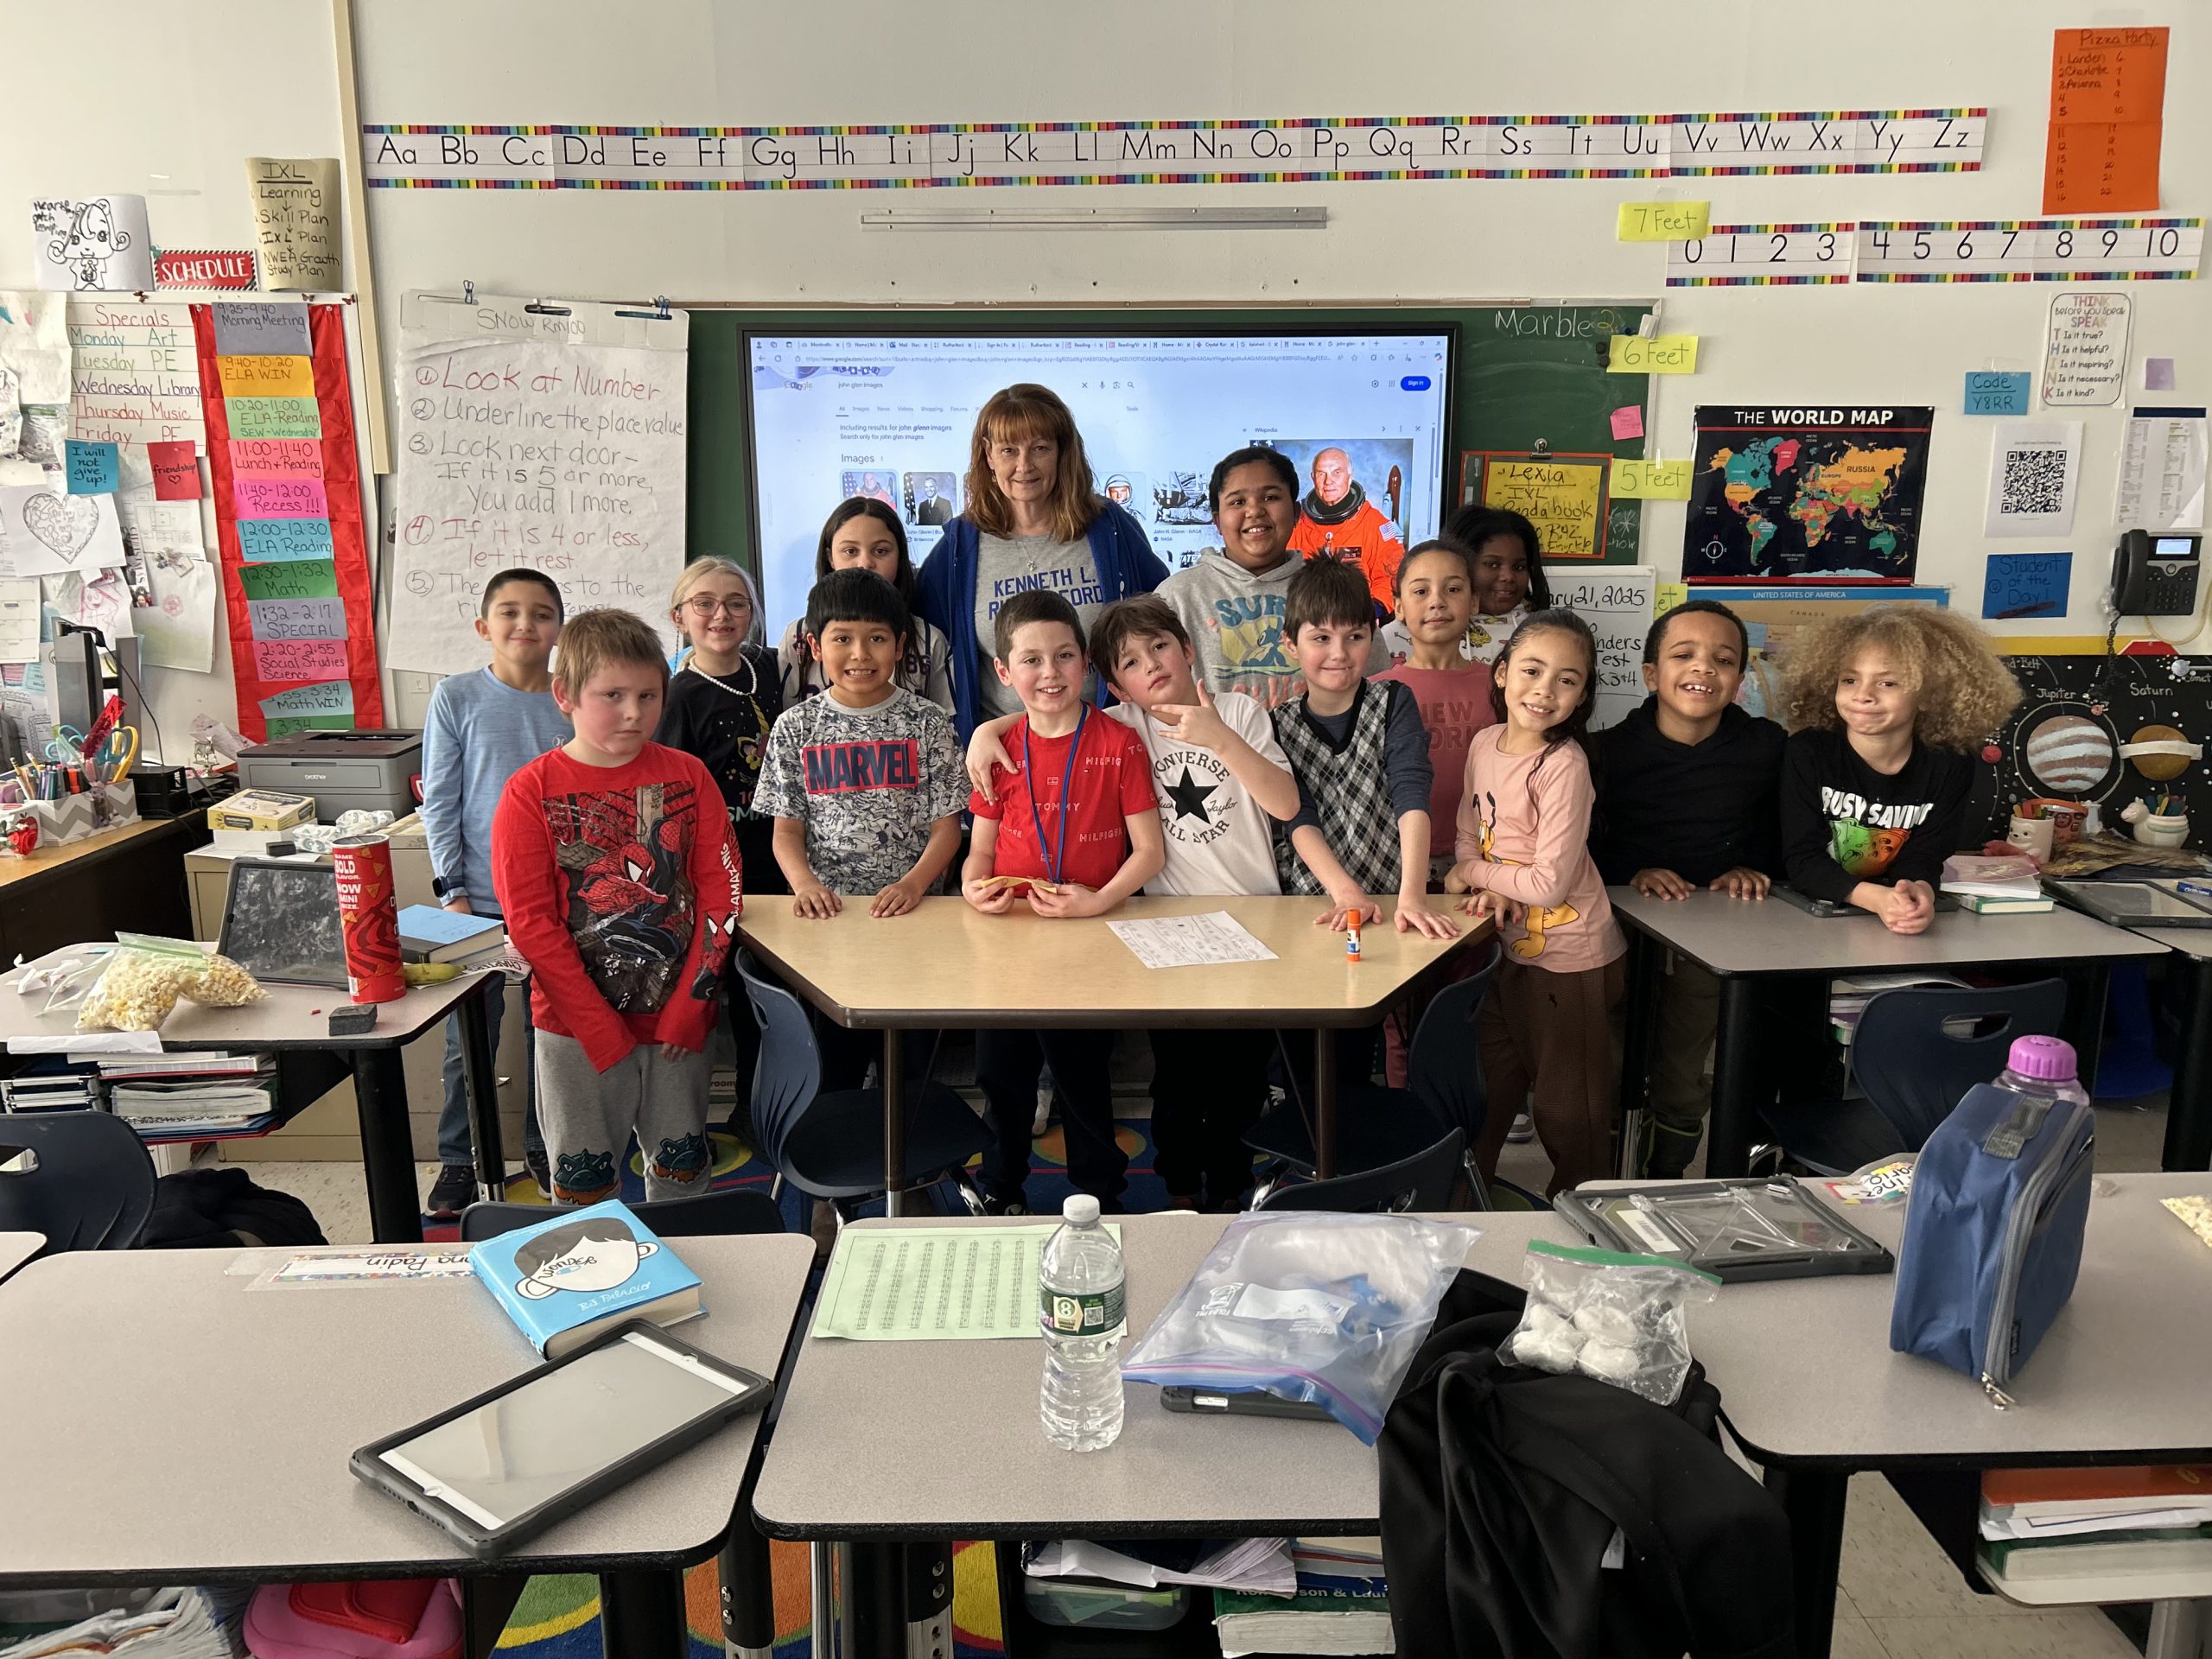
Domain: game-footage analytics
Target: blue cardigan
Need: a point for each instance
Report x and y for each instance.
(945, 591)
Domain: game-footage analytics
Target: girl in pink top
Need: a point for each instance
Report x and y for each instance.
(1550, 1028)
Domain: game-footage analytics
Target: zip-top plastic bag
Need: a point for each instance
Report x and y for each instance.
(147, 974)
(1307, 1306)
(1616, 1317)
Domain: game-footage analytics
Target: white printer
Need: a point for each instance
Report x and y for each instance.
(370, 771)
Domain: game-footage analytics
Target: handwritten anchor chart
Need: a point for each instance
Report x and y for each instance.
(546, 435)
(288, 512)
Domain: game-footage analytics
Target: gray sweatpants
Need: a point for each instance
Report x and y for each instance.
(589, 1114)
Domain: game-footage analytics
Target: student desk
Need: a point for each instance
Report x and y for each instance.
(1742, 942)
(297, 1017)
(946, 964)
(16, 1249)
(2188, 1102)
(171, 1425)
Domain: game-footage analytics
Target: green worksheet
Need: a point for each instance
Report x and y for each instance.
(934, 1284)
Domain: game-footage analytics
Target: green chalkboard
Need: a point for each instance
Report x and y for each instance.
(1527, 372)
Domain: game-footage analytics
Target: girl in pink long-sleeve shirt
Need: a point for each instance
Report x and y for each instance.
(1549, 1028)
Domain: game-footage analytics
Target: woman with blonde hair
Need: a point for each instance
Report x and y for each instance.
(1887, 707)
(1033, 520)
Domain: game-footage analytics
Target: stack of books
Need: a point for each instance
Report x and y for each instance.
(428, 934)
(1342, 1604)
(1995, 886)
(54, 1085)
(192, 1097)
(2042, 1527)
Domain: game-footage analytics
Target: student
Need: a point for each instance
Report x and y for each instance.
(1033, 523)
(1230, 602)
(1885, 706)
(721, 702)
(1509, 581)
(1549, 1028)
(1435, 601)
(1224, 783)
(613, 859)
(1077, 817)
(1688, 796)
(481, 730)
(863, 534)
(864, 782)
(1361, 757)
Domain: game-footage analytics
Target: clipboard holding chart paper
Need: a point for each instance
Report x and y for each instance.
(543, 433)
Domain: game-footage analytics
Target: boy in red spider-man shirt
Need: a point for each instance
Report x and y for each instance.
(615, 870)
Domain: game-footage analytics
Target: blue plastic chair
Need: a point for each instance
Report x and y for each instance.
(1424, 1181)
(84, 1179)
(703, 1215)
(829, 1145)
(1378, 1127)
(1915, 1055)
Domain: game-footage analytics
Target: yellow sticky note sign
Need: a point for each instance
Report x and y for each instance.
(1652, 480)
(1558, 497)
(266, 376)
(1667, 595)
(1660, 355)
(1664, 221)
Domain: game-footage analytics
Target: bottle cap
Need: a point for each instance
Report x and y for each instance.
(1082, 1210)
(2049, 1059)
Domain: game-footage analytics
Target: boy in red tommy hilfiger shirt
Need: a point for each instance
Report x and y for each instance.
(613, 861)
(1077, 816)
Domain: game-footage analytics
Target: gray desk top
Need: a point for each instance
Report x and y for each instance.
(885, 1439)
(1736, 936)
(290, 1016)
(2185, 941)
(16, 1249)
(168, 1424)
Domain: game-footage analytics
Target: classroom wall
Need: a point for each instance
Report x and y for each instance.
(168, 99)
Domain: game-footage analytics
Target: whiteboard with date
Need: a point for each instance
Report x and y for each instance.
(1616, 600)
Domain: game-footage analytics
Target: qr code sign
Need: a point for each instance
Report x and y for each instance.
(2035, 483)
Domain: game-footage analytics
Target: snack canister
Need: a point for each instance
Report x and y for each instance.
(370, 914)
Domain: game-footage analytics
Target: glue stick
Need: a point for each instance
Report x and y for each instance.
(1352, 937)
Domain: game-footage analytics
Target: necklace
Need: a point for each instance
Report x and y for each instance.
(1053, 857)
(752, 677)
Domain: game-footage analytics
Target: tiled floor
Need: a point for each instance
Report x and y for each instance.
(1900, 1598)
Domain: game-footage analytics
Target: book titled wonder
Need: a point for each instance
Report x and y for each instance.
(566, 1279)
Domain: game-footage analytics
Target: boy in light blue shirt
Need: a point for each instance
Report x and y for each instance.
(481, 729)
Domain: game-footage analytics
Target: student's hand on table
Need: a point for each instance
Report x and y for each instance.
(816, 900)
(898, 899)
(1908, 907)
(1657, 883)
(460, 906)
(1743, 882)
(1495, 908)
(995, 901)
(1198, 723)
(986, 754)
(1069, 899)
(1343, 907)
(1415, 917)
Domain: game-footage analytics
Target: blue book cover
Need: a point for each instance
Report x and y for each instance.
(566, 1279)
(428, 927)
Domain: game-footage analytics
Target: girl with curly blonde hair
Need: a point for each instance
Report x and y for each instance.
(1885, 706)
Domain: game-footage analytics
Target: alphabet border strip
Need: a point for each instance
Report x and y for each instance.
(1349, 150)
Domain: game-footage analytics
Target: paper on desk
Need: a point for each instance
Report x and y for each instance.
(76, 1042)
(1191, 941)
(359, 1265)
(934, 1284)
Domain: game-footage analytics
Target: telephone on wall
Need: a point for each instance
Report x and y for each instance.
(2155, 574)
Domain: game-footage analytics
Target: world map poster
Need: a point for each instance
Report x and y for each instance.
(1795, 494)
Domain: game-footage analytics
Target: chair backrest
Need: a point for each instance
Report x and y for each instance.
(703, 1215)
(788, 1075)
(1423, 1181)
(1444, 1065)
(1917, 1052)
(93, 1187)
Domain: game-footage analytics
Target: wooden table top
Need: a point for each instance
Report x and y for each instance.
(948, 965)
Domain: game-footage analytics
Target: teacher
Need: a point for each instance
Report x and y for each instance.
(1033, 520)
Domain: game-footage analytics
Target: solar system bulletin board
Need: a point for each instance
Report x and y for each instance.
(2075, 713)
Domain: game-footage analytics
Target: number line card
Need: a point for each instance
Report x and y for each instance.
(2145, 249)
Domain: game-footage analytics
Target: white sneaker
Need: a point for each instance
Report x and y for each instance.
(1523, 1129)
(1044, 1118)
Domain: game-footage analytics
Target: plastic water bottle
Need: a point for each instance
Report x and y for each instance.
(1080, 1278)
(2043, 1067)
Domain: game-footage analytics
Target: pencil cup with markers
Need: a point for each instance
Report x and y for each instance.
(2162, 821)
(73, 817)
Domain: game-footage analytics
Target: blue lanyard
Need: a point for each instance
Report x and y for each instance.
(1058, 857)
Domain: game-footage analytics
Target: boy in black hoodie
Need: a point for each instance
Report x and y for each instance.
(1688, 796)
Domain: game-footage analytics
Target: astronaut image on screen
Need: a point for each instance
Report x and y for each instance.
(1344, 518)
